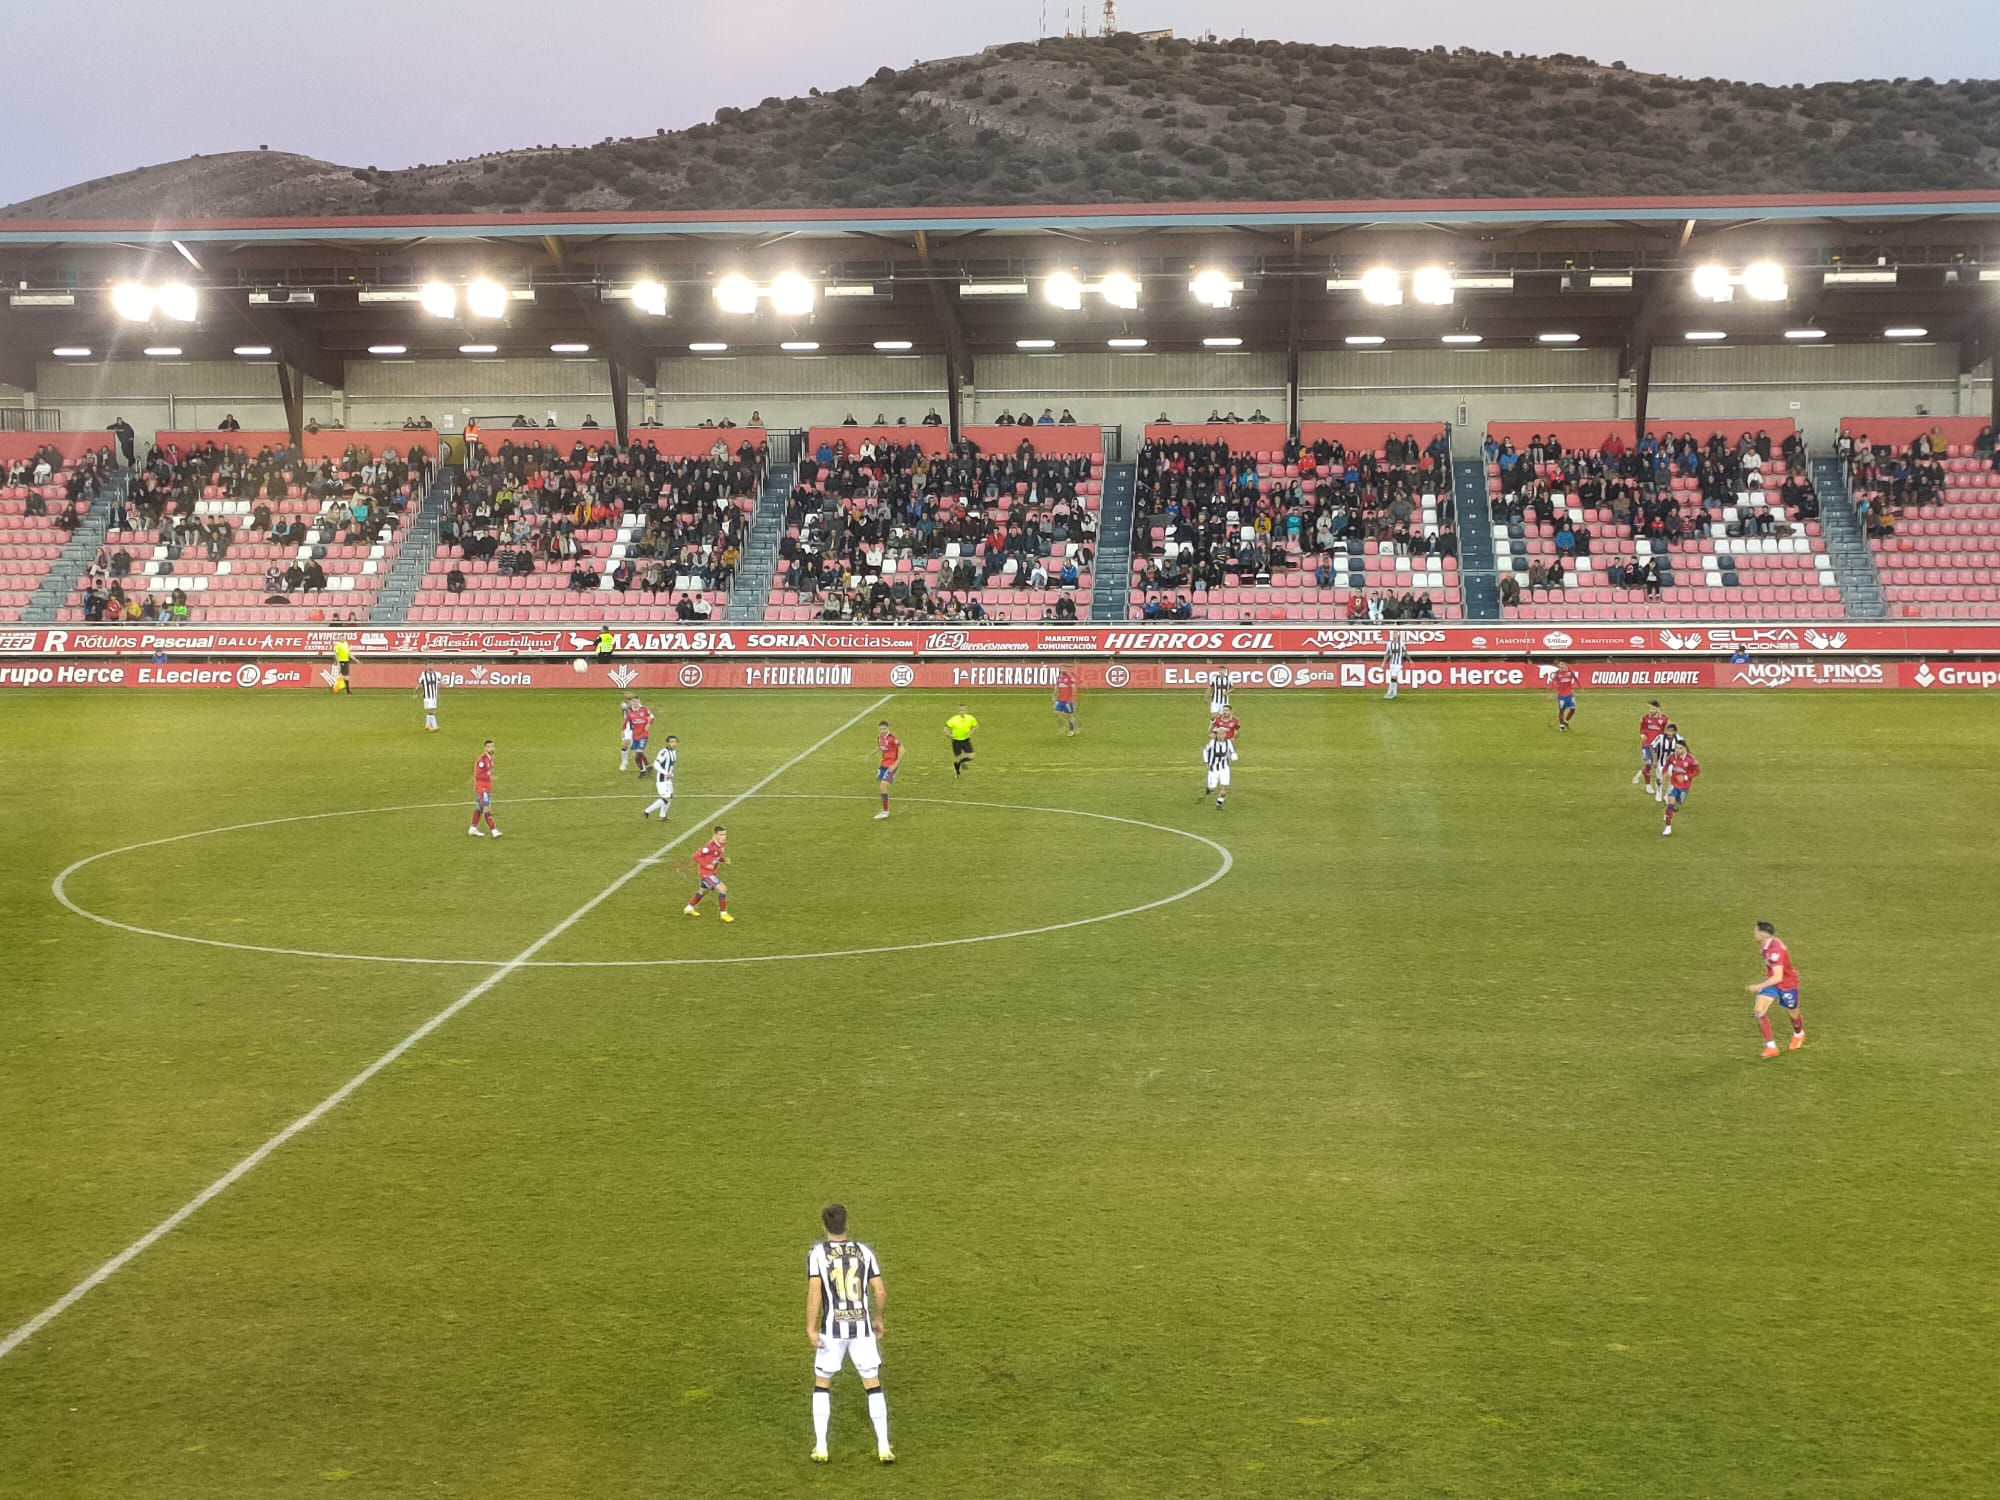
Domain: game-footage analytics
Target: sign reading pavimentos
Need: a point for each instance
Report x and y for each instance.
(930, 641)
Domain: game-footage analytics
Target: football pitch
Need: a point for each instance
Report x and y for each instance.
(1399, 1130)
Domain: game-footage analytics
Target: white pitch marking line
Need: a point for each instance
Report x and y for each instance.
(334, 1100)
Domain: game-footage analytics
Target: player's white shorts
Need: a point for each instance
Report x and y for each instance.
(665, 788)
(430, 705)
(864, 1351)
(1394, 676)
(625, 738)
(1218, 778)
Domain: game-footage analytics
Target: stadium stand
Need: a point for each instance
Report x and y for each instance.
(564, 525)
(47, 481)
(1689, 523)
(1927, 496)
(1241, 522)
(896, 523)
(237, 528)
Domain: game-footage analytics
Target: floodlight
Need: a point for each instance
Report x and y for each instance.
(438, 299)
(736, 294)
(1120, 290)
(1712, 284)
(176, 300)
(1381, 286)
(1432, 286)
(132, 302)
(1216, 288)
(486, 298)
(1765, 281)
(792, 295)
(1064, 290)
(650, 297)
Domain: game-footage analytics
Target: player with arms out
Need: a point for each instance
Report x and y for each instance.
(663, 778)
(1392, 663)
(1218, 755)
(889, 749)
(1652, 724)
(1681, 772)
(960, 726)
(708, 862)
(1780, 983)
(429, 683)
(844, 1302)
(482, 794)
(1065, 700)
(1563, 685)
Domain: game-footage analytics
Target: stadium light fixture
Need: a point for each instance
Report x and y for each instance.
(1431, 285)
(1034, 343)
(1712, 283)
(736, 294)
(1214, 288)
(1063, 290)
(254, 351)
(799, 346)
(1228, 343)
(486, 298)
(1382, 287)
(569, 348)
(388, 349)
(1464, 338)
(1704, 335)
(1805, 333)
(1558, 338)
(132, 302)
(708, 348)
(438, 299)
(71, 351)
(1362, 340)
(478, 348)
(892, 345)
(176, 300)
(163, 351)
(792, 295)
(1765, 281)
(649, 296)
(1120, 289)
(1125, 343)
(1905, 333)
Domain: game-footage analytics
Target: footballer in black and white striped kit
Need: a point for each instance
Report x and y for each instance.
(430, 682)
(1392, 662)
(1665, 748)
(663, 778)
(1219, 684)
(1218, 755)
(844, 1302)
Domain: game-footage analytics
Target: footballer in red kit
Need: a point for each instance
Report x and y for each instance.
(1225, 724)
(1780, 983)
(482, 794)
(708, 862)
(889, 751)
(1681, 770)
(1652, 724)
(639, 724)
(1065, 701)
(1563, 683)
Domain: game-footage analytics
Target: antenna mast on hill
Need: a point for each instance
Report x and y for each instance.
(1110, 26)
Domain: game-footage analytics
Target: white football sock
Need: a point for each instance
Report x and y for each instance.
(878, 1413)
(822, 1410)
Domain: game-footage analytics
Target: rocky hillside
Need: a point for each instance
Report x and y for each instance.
(1119, 119)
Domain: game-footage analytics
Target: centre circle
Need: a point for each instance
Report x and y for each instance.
(1223, 862)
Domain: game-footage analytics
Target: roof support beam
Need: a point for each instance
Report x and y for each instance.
(292, 392)
(290, 343)
(620, 389)
(958, 354)
(1292, 335)
(1638, 358)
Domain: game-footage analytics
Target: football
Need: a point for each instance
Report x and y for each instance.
(581, 665)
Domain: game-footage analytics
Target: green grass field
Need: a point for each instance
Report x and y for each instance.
(1425, 1152)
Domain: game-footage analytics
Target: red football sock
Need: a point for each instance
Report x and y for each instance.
(885, 802)
(1798, 1024)
(722, 903)
(1764, 1023)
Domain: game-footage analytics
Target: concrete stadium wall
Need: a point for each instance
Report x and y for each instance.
(1130, 389)
(1814, 384)
(793, 390)
(162, 395)
(382, 392)
(1395, 385)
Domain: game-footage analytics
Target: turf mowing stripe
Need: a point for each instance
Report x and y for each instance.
(333, 1101)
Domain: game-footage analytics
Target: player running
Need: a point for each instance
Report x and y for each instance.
(1563, 684)
(1665, 748)
(1218, 755)
(1219, 684)
(1681, 772)
(890, 751)
(1226, 724)
(844, 1302)
(960, 726)
(663, 778)
(1780, 983)
(429, 683)
(639, 723)
(708, 859)
(482, 794)
(1652, 724)
(1065, 701)
(625, 731)
(1392, 663)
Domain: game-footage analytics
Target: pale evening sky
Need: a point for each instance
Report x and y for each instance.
(391, 83)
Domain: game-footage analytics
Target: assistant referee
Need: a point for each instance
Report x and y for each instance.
(960, 726)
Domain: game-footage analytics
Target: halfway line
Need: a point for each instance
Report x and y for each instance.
(339, 1096)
